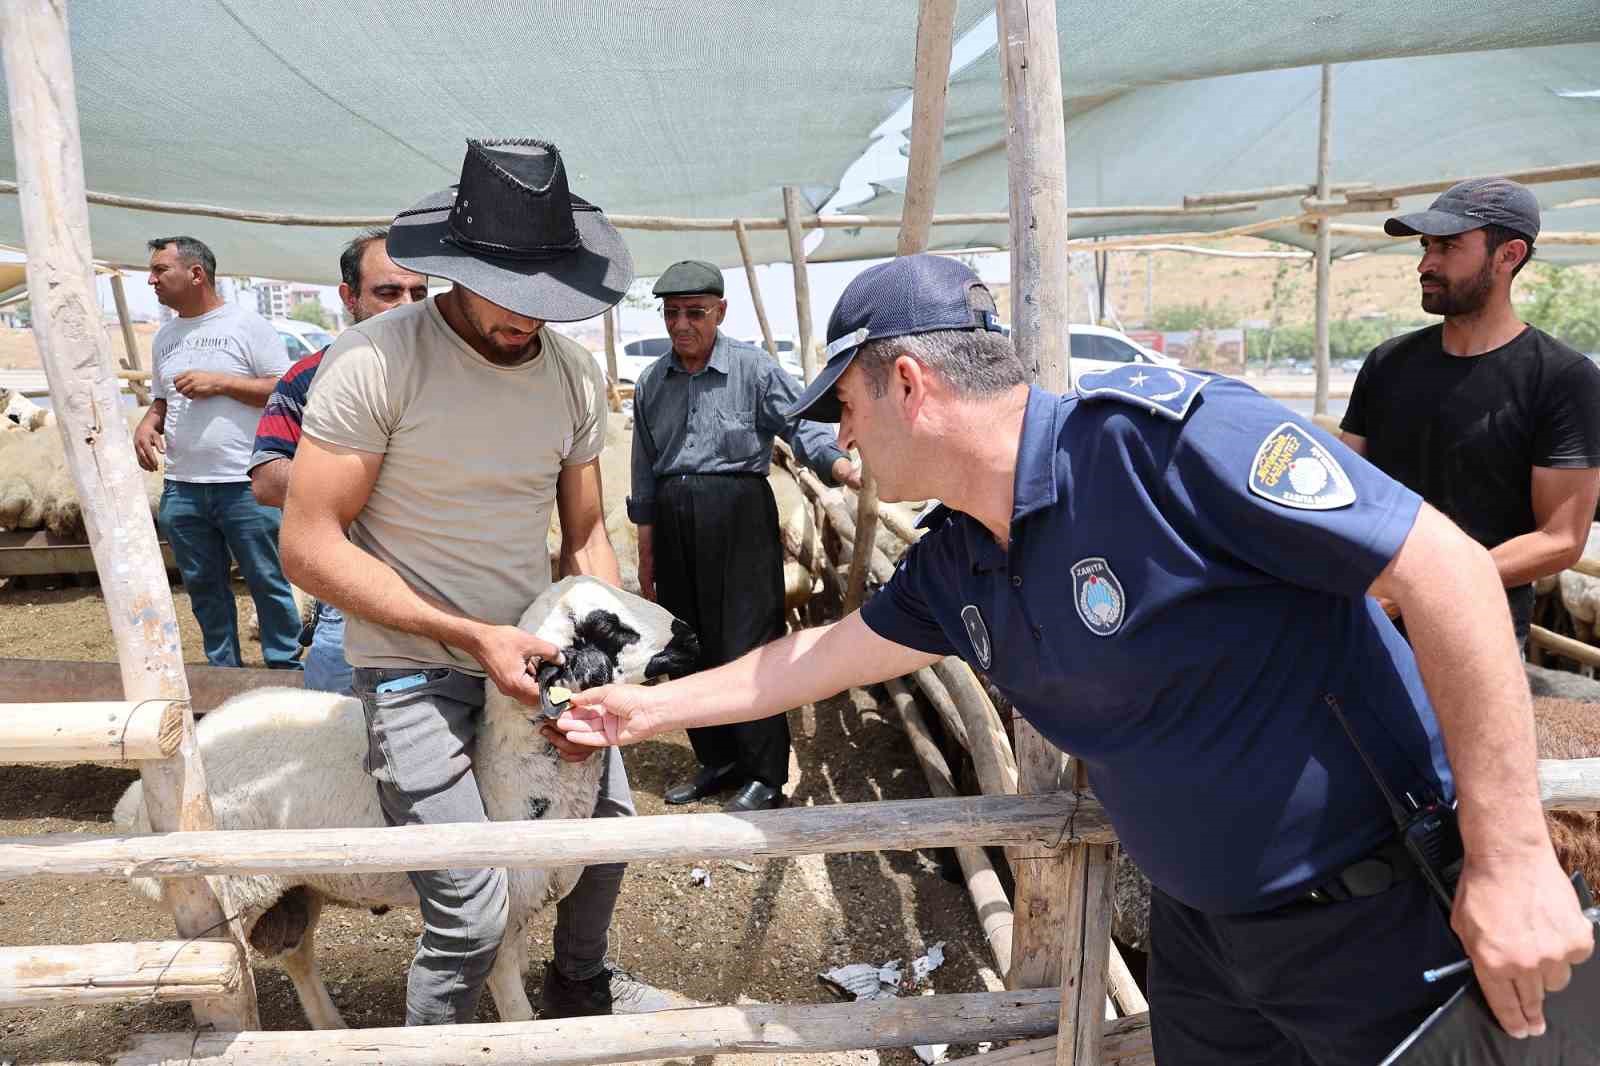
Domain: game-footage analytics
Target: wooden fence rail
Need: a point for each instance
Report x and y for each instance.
(161, 971)
(891, 825)
(117, 730)
(680, 1034)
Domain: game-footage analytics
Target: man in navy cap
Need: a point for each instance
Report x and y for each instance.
(1170, 576)
(709, 549)
(1494, 422)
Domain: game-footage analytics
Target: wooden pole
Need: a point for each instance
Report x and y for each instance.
(660, 223)
(768, 1029)
(802, 284)
(613, 397)
(936, 24)
(983, 884)
(58, 680)
(1324, 241)
(165, 971)
(130, 342)
(99, 448)
(118, 731)
(756, 301)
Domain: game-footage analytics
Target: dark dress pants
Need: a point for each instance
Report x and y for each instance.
(719, 567)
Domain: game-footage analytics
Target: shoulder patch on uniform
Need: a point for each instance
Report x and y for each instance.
(978, 633)
(1099, 596)
(1292, 469)
(1160, 390)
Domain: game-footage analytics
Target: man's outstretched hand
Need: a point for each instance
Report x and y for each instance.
(609, 715)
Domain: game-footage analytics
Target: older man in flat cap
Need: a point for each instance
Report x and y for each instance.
(709, 550)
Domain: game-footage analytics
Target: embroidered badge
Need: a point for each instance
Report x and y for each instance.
(1293, 470)
(977, 632)
(1158, 389)
(1099, 596)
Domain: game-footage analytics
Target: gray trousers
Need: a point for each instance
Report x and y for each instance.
(420, 734)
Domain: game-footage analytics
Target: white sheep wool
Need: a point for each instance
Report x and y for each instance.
(292, 759)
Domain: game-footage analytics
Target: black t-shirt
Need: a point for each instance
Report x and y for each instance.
(1464, 432)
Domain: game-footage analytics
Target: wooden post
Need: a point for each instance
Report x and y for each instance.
(131, 360)
(1324, 241)
(1058, 936)
(936, 25)
(77, 360)
(755, 288)
(802, 285)
(613, 396)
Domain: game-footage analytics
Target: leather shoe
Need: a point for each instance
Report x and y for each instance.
(708, 782)
(755, 796)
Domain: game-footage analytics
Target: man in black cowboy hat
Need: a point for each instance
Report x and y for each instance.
(709, 551)
(441, 434)
(1494, 422)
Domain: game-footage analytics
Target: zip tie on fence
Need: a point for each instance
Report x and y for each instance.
(1069, 825)
(127, 723)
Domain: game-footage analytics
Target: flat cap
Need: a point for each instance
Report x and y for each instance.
(691, 277)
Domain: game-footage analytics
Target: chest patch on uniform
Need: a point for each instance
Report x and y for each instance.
(1292, 469)
(1158, 389)
(1099, 596)
(978, 633)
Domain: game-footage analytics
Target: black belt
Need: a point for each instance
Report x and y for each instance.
(1380, 871)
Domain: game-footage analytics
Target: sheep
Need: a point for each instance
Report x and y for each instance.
(36, 487)
(19, 410)
(290, 759)
(1580, 594)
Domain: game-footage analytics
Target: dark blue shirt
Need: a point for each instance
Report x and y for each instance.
(1184, 590)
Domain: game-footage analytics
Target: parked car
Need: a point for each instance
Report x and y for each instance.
(1096, 348)
(301, 339)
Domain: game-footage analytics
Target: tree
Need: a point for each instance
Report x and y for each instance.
(313, 312)
(1565, 303)
(1180, 317)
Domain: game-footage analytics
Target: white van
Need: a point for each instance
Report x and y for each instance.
(301, 339)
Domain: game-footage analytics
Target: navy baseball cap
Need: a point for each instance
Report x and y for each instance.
(911, 294)
(1473, 204)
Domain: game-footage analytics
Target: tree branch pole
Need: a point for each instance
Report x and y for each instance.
(613, 395)
(802, 284)
(936, 26)
(1062, 895)
(99, 449)
(131, 360)
(1324, 241)
(755, 288)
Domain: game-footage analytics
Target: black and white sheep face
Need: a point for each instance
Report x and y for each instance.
(607, 635)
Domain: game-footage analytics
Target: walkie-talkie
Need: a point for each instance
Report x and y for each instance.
(1428, 827)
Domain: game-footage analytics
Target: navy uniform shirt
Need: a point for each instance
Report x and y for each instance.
(720, 420)
(1184, 590)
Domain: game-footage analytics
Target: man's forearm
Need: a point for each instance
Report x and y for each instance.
(327, 565)
(594, 557)
(269, 482)
(803, 667)
(1459, 626)
(253, 391)
(1527, 558)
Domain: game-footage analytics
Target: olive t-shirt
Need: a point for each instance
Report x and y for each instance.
(1465, 432)
(471, 454)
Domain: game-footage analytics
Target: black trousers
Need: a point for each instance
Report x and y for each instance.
(719, 567)
(1306, 984)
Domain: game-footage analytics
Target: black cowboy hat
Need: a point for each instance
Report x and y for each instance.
(512, 232)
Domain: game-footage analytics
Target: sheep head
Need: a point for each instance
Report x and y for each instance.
(607, 635)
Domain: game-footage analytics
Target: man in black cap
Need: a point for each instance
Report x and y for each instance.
(441, 434)
(1494, 422)
(1102, 557)
(709, 550)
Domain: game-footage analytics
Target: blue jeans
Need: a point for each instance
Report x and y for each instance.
(204, 523)
(326, 668)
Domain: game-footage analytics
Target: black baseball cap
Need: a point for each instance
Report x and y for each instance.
(1473, 204)
(911, 294)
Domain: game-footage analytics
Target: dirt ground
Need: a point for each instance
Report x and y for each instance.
(752, 935)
